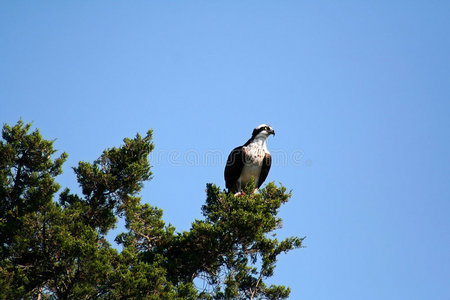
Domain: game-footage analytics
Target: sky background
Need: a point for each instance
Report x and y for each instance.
(357, 92)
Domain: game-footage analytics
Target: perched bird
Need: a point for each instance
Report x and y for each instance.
(249, 161)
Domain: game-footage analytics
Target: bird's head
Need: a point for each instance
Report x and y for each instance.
(263, 130)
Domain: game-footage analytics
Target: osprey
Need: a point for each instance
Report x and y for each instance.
(249, 161)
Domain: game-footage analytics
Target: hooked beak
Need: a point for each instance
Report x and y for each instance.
(272, 132)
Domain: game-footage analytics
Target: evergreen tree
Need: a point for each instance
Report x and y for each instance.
(56, 248)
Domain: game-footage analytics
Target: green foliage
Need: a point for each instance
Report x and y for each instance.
(232, 248)
(111, 181)
(58, 250)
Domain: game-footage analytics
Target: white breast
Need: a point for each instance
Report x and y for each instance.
(253, 159)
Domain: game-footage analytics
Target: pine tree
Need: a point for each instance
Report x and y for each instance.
(55, 247)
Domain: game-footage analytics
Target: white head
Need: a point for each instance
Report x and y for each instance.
(262, 131)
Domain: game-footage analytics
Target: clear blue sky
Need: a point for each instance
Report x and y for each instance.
(358, 93)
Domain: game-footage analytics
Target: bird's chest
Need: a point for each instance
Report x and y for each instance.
(253, 160)
(253, 156)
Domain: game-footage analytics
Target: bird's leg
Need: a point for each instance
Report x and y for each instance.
(239, 190)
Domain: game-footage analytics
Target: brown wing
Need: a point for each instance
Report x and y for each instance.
(267, 162)
(233, 169)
